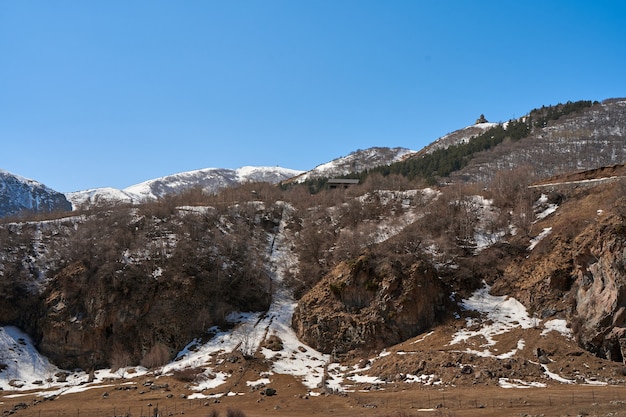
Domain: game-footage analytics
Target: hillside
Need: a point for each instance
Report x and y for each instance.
(356, 162)
(380, 298)
(209, 180)
(587, 139)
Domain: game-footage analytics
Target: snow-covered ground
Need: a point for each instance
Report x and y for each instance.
(26, 369)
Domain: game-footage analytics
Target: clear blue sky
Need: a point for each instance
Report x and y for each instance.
(111, 93)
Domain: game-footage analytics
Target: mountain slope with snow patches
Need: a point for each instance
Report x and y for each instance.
(355, 162)
(18, 194)
(210, 180)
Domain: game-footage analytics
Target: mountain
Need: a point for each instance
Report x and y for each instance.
(588, 138)
(355, 162)
(209, 180)
(19, 195)
(212, 180)
(445, 298)
(457, 137)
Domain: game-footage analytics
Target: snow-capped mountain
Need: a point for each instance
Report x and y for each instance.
(210, 180)
(18, 194)
(356, 161)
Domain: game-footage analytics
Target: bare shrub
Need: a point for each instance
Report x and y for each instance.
(187, 374)
(120, 358)
(234, 413)
(158, 355)
(214, 413)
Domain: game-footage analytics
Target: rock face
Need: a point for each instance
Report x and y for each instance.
(132, 286)
(369, 304)
(88, 320)
(599, 290)
(578, 271)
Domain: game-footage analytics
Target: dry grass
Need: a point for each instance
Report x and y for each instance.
(400, 401)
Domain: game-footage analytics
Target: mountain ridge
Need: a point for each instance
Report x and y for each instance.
(209, 180)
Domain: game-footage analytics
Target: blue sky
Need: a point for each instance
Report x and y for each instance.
(112, 93)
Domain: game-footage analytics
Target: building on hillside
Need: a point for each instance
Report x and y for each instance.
(341, 183)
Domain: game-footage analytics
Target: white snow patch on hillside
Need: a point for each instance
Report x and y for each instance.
(24, 368)
(559, 326)
(533, 242)
(463, 135)
(357, 161)
(500, 314)
(543, 208)
(555, 376)
(484, 237)
(518, 383)
(98, 196)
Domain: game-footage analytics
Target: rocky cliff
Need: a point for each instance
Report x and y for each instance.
(123, 287)
(577, 271)
(370, 303)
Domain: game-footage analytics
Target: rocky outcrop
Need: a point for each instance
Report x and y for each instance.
(599, 291)
(578, 271)
(124, 287)
(90, 320)
(369, 304)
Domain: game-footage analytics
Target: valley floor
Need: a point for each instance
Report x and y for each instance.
(291, 399)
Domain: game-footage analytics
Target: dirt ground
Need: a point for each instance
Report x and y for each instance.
(459, 394)
(291, 399)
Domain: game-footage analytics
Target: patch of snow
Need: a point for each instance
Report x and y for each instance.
(557, 325)
(595, 382)
(518, 383)
(366, 379)
(356, 161)
(423, 337)
(25, 367)
(556, 377)
(262, 381)
(533, 242)
(426, 379)
(548, 211)
(500, 314)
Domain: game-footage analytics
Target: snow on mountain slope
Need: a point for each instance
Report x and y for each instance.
(99, 195)
(357, 161)
(19, 194)
(209, 179)
(459, 136)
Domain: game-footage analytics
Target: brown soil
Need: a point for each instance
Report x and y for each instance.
(460, 394)
(291, 400)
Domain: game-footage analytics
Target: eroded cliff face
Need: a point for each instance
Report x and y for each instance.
(370, 303)
(599, 292)
(89, 320)
(126, 287)
(578, 271)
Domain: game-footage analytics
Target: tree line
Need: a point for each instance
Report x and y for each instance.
(442, 162)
